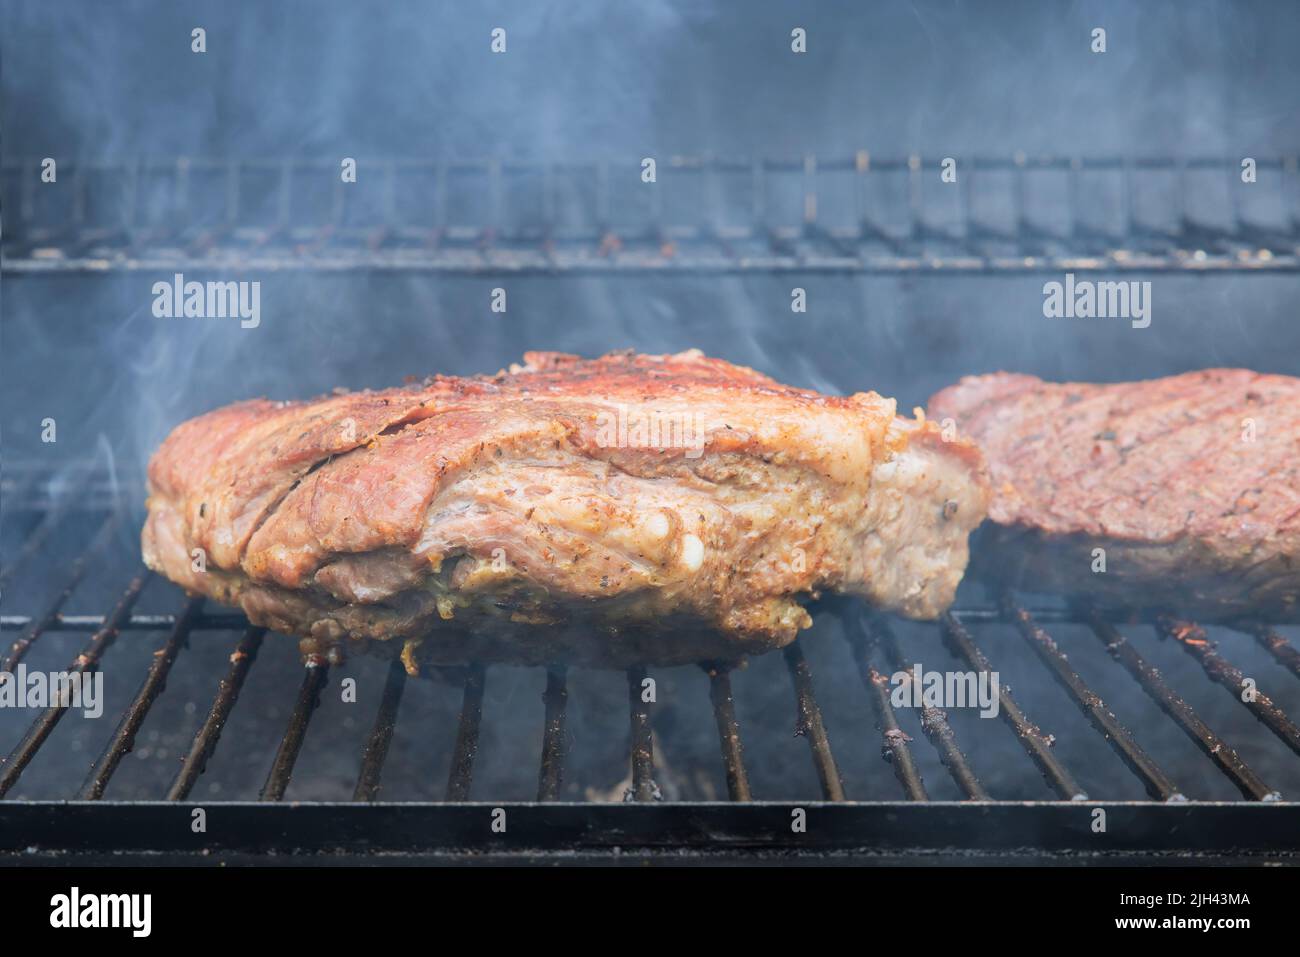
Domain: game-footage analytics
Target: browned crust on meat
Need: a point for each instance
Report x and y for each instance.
(379, 515)
(1190, 483)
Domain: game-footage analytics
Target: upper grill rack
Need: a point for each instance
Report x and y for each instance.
(875, 651)
(854, 214)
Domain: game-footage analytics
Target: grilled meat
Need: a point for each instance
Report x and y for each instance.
(654, 509)
(1190, 484)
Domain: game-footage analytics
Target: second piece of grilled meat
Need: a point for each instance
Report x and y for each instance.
(629, 509)
(1190, 484)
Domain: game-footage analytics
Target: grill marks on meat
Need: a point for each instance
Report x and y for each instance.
(1197, 507)
(461, 514)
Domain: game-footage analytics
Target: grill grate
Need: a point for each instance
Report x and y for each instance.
(858, 214)
(876, 653)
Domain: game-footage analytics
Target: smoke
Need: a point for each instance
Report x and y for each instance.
(589, 81)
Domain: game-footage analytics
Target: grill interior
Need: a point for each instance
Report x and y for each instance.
(202, 708)
(1131, 169)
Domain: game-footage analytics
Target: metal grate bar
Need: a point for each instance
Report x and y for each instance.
(49, 520)
(1036, 744)
(381, 735)
(390, 241)
(22, 494)
(642, 740)
(1215, 748)
(1154, 779)
(86, 663)
(933, 720)
(1281, 649)
(471, 716)
(893, 740)
(154, 682)
(205, 742)
(316, 673)
(724, 712)
(1191, 638)
(493, 261)
(230, 621)
(50, 618)
(220, 621)
(808, 723)
(556, 699)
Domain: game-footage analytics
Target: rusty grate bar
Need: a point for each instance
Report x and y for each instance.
(315, 673)
(86, 663)
(934, 722)
(155, 681)
(1191, 638)
(1156, 782)
(642, 740)
(724, 712)
(893, 740)
(51, 618)
(471, 716)
(808, 723)
(550, 774)
(1281, 649)
(1036, 744)
(375, 751)
(1215, 748)
(205, 741)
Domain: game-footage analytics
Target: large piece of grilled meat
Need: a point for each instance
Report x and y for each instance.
(1189, 484)
(633, 508)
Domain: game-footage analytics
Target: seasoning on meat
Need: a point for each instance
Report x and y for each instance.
(632, 508)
